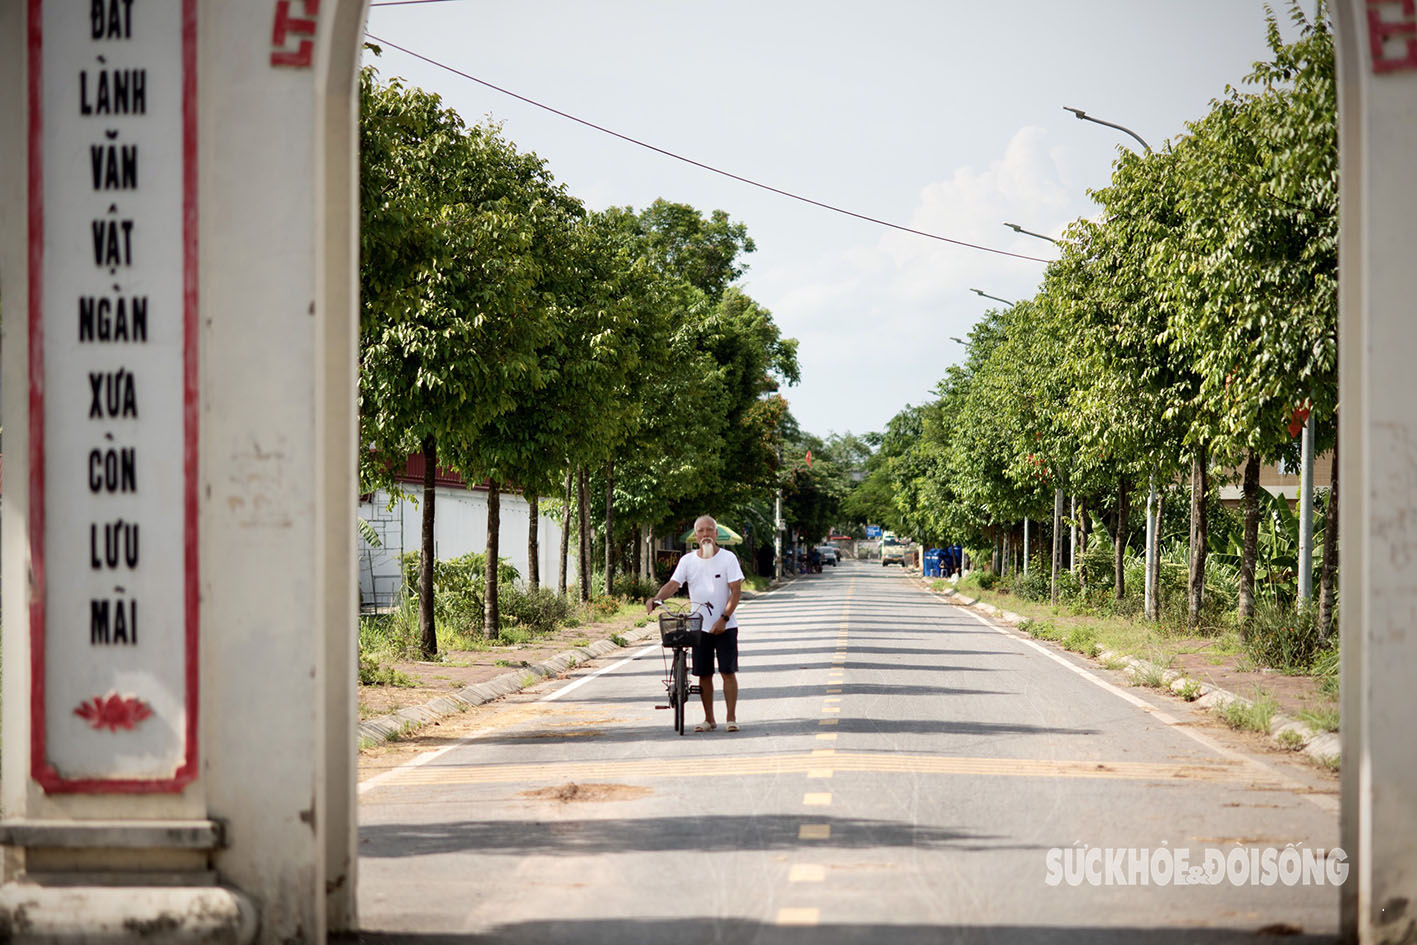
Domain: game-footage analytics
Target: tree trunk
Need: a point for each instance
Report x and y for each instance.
(637, 553)
(610, 528)
(565, 536)
(491, 620)
(1119, 540)
(1200, 486)
(533, 542)
(1156, 557)
(583, 513)
(1008, 551)
(427, 629)
(1250, 541)
(1329, 569)
(1057, 542)
(1084, 524)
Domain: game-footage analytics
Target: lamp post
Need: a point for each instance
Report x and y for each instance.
(1084, 116)
(1018, 229)
(1153, 523)
(988, 296)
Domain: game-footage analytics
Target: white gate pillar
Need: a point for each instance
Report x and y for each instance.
(1378, 509)
(178, 542)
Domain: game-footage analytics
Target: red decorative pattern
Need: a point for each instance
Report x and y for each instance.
(1393, 41)
(286, 26)
(114, 712)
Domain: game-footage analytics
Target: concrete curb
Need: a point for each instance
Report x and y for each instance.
(406, 721)
(1323, 747)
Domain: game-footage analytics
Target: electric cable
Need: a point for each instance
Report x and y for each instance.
(689, 160)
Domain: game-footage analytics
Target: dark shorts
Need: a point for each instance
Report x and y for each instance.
(724, 647)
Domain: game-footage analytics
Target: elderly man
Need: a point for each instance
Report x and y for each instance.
(715, 581)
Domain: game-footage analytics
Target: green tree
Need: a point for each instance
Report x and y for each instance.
(448, 277)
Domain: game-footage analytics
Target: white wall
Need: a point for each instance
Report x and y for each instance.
(459, 527)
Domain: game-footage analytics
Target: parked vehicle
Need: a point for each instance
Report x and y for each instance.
(828, 553)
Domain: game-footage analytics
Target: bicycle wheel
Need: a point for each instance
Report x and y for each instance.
(680, 684)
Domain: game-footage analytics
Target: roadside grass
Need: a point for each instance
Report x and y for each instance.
(1190, 690)
(1123, 636)
(394, 635)
(1291, 739)
(1151, 674)
(1323, 718)
(1255, 717)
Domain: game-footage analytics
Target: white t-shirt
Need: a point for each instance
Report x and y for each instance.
(708, 580)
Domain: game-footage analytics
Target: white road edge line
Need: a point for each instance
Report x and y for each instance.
(644, 651)
(1321, 801)
(436, 753)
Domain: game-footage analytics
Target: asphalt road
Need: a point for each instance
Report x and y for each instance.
(906, 772)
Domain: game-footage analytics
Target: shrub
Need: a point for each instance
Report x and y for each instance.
(1081, 640)
(1097, 562)
(1284, 637)
(1032, 586)
(601, 607)
(457, 590)
(629, 586)
(373, 674)
(394, 633)
(541, 610)
(986, 580)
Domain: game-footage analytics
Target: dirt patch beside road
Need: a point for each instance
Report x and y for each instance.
(461, 668)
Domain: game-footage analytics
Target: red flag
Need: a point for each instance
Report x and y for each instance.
(809, 458)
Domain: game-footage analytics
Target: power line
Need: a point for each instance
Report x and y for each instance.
(689, 160)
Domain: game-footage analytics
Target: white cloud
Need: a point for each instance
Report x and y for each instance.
(886, 311)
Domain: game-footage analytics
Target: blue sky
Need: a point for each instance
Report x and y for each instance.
(943, 116)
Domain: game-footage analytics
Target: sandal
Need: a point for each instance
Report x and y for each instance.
(707, 727)
(731, 727)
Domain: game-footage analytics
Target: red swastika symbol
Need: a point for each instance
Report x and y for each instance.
(285, 25)
(1400, 32)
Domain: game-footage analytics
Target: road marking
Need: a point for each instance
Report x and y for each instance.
(833, 699)
(830, 691)
(820, 752)
(797, 916)
(831, 708)
(1280, 781)
(807, 873)
(819, 772)
(818, 799)
(570, 687)
(826, 736)
(814, 832)
(828, 721)
(802, 762)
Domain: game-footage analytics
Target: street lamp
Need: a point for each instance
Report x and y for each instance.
(1018, 229)
(988, 296)
(1153, 509)
(1084, 116)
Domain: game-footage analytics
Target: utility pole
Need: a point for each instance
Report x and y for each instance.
(777, 535)
(1306, 512)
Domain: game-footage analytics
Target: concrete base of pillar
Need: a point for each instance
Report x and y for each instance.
(53, 914)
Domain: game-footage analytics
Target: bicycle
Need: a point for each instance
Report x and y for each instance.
(679, 629)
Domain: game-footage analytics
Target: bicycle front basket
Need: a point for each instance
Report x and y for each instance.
(680, 629)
